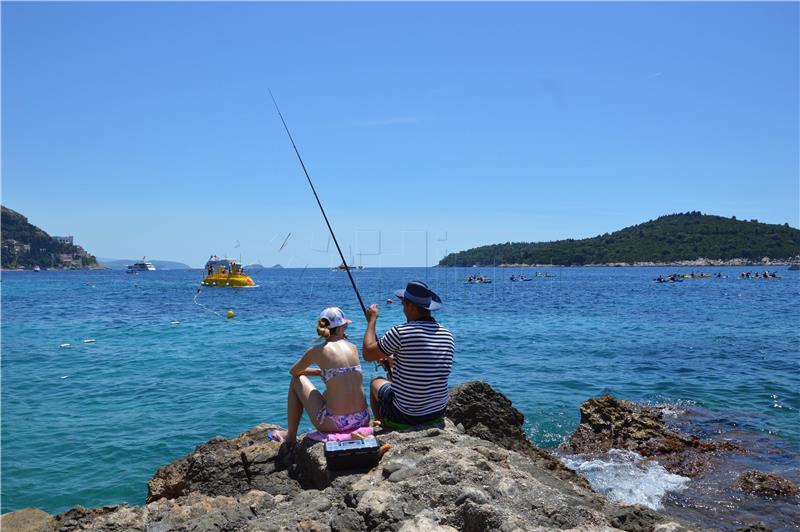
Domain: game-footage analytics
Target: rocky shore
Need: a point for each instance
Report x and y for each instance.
(473, 471)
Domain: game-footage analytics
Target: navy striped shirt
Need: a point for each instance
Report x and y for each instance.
(423, 358)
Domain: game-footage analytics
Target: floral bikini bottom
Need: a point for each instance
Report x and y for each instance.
(345, 422)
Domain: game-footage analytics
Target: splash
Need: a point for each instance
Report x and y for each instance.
(624, 476)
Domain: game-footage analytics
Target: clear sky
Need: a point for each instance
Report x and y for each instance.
(147, 129)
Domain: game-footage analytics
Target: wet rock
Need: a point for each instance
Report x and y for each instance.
(609, 423)
(767, 484)
(756, 527)
(635, 519)
(27, 520)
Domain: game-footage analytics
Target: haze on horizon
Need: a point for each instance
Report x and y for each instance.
(147, 128)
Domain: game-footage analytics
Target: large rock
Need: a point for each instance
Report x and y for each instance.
(485, 413)
(609, 423)
(475, 472)
(226, 467)
(429, 479)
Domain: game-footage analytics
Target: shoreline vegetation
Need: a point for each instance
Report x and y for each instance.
(684, 239)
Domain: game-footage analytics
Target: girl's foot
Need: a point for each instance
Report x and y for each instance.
(277, 435)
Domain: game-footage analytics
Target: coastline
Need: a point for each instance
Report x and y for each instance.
(699, 262)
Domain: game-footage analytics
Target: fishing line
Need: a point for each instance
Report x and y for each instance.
(199, 290)
(302, 164)
(386, 366)
(284, 242)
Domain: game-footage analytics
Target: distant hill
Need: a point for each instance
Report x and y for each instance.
(672, 238)
(24, 246)
(122, 264)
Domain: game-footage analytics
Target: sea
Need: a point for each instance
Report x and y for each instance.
(108, 376)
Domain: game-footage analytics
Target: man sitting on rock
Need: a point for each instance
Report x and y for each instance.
(419, 354)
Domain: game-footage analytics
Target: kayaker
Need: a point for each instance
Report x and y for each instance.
(342, 407)
(420, 354)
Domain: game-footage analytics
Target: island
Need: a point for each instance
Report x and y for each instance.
(691, 239)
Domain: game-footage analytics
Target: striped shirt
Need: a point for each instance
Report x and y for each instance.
(423, 358)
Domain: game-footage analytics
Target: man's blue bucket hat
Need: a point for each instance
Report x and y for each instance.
(420, 294)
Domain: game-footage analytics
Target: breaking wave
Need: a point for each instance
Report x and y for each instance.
(625, 476)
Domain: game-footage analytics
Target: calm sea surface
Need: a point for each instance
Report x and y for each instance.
(89, 423)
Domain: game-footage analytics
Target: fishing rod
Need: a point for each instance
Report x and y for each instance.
(341, 255)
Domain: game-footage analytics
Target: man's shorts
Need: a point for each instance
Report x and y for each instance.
(387, 409)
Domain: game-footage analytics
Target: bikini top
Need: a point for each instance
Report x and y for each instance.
(328, 374)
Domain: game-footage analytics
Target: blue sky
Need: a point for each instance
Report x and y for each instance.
(147, 129)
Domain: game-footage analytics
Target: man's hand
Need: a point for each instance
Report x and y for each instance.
(372, 312)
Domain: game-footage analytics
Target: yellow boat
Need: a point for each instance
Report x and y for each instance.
(226, 273)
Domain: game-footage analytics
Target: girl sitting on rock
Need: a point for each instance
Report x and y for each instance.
(343, 407)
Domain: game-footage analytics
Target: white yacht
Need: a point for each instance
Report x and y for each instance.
(142, 266)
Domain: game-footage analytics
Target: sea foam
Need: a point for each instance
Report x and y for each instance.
(625, 476)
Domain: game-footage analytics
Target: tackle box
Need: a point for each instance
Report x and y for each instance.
(352, 454)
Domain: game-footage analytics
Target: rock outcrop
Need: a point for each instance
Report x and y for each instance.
(610, 423)
(474, 471)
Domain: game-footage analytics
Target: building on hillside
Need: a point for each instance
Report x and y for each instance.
(63, 239)
(18, 247)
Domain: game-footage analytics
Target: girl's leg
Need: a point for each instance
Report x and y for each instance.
(303, 394)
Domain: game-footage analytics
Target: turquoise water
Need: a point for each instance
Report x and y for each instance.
(90, 423)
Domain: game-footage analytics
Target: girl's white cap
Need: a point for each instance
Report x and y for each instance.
(335, 317)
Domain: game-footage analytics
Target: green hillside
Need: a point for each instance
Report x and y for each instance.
(24, 246)
(669, 238)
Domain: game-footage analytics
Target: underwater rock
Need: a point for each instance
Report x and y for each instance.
(767, 484)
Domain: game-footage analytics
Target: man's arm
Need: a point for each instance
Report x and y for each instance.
(370, 348)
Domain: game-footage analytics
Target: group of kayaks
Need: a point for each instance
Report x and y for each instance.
(477, 279)
(480, 279)
(522, 279)
(678, 278)
(765, 275)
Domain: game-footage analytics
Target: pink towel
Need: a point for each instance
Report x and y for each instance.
(336, 436)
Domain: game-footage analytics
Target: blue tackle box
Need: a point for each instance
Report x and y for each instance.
(352, 454)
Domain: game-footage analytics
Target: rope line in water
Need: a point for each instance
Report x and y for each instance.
(196, 295)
